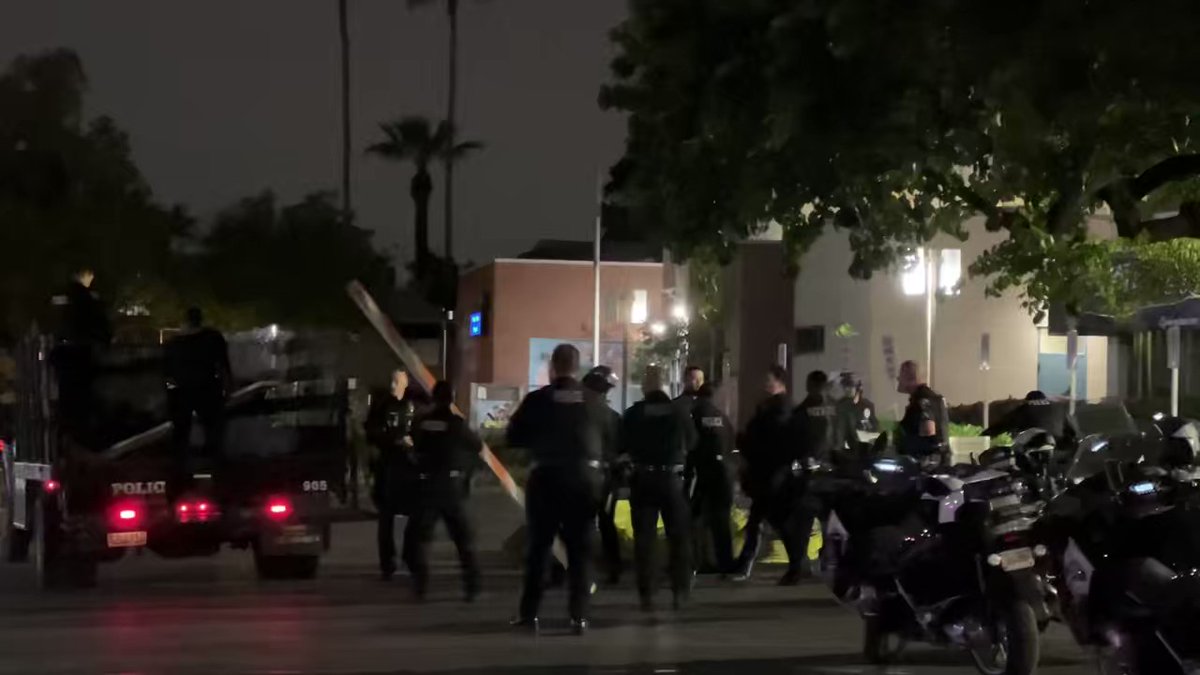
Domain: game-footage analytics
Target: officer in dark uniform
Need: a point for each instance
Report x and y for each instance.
(712, 494)
(446, 451)
(601, 380)
(658, 434)
(389, 428)
(565, 430)
(83, 329)
(1039, 412)
(198, 378)
(768, 446)
(693, 379)
(817, 437)
(923, 431)
(855, 413)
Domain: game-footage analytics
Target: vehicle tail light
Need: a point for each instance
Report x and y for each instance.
(279, 508)
(195, 512)
(51, 486)
(126, 516)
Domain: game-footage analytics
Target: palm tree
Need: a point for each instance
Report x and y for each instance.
(344, 40)
(415, 139)
(451, 115)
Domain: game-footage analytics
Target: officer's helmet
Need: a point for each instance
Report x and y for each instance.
(600, 379)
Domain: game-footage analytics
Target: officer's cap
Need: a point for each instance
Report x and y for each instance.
(601, 379)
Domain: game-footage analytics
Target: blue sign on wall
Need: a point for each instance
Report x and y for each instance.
(476, 324)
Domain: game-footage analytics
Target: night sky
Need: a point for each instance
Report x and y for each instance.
(224, 98)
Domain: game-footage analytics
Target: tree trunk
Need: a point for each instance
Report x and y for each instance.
(421, 189)
(344, 35)
(451, 110)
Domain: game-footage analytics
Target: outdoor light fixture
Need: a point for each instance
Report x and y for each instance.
(679, 312)
(949, 271)
(658, 328)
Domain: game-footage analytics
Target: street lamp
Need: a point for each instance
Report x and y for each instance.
(929, 272)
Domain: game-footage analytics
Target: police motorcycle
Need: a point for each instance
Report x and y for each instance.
(941, 555)
(1125, 551)
(1035, 457)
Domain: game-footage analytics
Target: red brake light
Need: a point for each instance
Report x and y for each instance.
(184, 508)
(279, 509)
(51, 486)
(202, 507)
(127, 514)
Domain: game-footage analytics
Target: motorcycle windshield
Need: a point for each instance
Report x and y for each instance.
(1096, 452)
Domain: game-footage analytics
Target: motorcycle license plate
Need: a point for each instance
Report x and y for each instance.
(126, 539)
(1016, 559)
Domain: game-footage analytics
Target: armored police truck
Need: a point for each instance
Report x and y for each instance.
(93, 491)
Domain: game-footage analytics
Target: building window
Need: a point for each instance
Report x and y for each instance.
(640, 308)
(810, 340)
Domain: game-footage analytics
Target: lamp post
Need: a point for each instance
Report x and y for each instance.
(929, 272)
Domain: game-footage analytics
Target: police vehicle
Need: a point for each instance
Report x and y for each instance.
(75, 500)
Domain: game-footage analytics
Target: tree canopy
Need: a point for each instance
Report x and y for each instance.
(896, 121)
(71, 196)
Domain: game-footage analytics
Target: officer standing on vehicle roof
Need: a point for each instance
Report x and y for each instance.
(83, 329)
(922, 429)
(601, 380)
(389, 429)
(659, 434)
(565, 430)
(198, 379)
(712, 496)
(769, 447)
(446, 451)
(1039, 412)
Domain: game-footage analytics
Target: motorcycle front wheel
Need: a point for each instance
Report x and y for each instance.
(1015, 645)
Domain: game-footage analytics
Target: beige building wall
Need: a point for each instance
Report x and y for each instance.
(878, 309)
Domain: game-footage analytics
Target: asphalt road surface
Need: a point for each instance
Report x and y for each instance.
(210, 616)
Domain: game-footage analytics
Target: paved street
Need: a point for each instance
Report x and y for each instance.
(211, 616)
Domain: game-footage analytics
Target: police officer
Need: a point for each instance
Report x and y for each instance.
(389, 429)
(693, 379)
(712, 494)
(446, 451)
(83, 329)
(855, 413)
(922, 429)
(1039, 412)
(198, 378)
(565, 430)
(817, 438)
(600, 380)
(659, 435)
(768, 446)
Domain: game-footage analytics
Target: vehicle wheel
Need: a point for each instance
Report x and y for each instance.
(277, 567)
(15, 545)
(53, 567)
(880, 647)
(1015, 646)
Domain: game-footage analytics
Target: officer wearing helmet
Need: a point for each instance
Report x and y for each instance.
(601, 380)
(855, 413)
(1039, 412)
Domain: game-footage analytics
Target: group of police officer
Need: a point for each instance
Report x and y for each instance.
(673, 454)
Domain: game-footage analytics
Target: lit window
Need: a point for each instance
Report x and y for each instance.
(912, 277)
(950, 270)
(640, 308)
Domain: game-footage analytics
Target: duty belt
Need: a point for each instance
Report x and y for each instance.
(660, 468)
